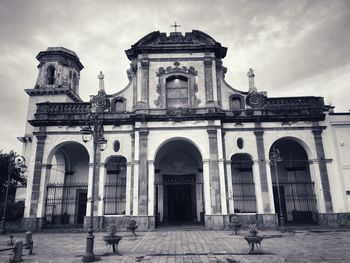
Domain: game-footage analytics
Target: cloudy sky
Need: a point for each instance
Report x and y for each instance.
(297, 48)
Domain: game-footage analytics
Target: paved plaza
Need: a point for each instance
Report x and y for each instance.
(194, 245)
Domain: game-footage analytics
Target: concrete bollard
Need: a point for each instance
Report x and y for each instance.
(17, 252)
(28, 241)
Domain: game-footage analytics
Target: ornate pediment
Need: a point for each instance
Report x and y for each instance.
(176, 69)
(195, 41)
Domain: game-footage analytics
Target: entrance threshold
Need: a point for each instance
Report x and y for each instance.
(180, 226)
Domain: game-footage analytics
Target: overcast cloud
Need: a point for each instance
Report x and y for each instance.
(297, 48)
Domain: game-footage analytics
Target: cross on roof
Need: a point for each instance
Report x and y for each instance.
(175, 26)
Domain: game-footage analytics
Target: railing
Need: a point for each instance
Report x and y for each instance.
(294, 103)
(72, 107)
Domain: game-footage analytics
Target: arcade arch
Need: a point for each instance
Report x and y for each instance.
(297, 191)
(179, 183)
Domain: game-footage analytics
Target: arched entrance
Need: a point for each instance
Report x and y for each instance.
(179, 183)
(66, 186)
(297, 194)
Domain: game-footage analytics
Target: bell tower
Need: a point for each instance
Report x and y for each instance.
(57, 81)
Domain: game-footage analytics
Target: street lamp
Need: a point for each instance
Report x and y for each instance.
(94, 130)
(275, 157)
(15, 162)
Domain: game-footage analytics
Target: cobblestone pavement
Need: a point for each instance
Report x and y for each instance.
(194, 245)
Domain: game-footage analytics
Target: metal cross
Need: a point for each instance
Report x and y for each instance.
(175, 26)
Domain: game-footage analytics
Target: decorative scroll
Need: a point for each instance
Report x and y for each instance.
(255, 100)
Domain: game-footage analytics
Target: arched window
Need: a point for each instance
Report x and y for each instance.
(236, 102)
(243, 187)
(50, 75)
(119, 105)
(115, 186)
(177, 91)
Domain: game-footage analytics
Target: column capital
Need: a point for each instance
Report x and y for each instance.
(207, 61)
(150, 162)
(144, 63)
(259, 132)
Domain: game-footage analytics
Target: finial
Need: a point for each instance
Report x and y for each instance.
(100, 80)
(175, 26)
(251, 76)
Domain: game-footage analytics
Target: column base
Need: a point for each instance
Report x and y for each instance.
(334, 219)
(144, 222)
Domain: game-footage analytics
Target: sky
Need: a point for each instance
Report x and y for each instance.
(297, 48)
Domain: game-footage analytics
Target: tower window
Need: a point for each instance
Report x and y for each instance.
(51, 75)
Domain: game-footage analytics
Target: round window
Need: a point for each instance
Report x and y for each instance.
(240, 143)
(116, 145)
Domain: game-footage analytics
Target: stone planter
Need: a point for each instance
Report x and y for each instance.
(113, 241)
(254, 242)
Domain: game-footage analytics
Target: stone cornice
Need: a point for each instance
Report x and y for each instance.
(54, 91)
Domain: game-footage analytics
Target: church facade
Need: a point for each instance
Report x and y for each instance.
(183, 146)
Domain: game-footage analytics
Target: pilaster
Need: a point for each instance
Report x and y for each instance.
(143, 172)
(215, 191)
(259, 132)
(208, 78)
(317, 133)
(38, 169)
(144, 80)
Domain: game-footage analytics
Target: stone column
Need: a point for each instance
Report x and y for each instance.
(257, 185)
(101, 194)
(206, 183)
(258, 131)
(136, 173)
(208, 78)
(132, 172)
(231, 209)
(128, 189)
(97, 190)
(38, 170)
(222, 174)
(151, 193)
(143, 172)
(215, 191)
(317, 132)
(89, 192)
(43, 182)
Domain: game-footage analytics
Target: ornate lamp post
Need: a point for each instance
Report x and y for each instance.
(15, 162)
(275, 157)
(94, 130)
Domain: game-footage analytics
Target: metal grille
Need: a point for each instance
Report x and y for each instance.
(115, 198)
(299, 198)
(65, 204)
(243, 187)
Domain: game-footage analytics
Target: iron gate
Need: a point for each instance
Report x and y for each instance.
(65, 204)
